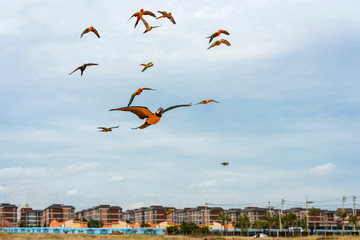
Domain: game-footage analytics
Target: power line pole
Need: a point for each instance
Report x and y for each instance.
(280, 214)
(307, 214)
(354, 205)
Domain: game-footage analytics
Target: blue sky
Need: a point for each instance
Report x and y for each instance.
(288, 121)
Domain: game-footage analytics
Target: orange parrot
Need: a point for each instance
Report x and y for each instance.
(206, 101)
(216, 34)
(90, 29)
(145, 113)
(147, 26)
(106, 129)
(218, 42)
(140, 14)
(167, 15)
(138, 92)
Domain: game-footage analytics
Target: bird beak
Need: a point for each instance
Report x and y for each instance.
(159, 112)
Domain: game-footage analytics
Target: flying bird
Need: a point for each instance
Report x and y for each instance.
(140, 14)
(216, 34)
(146, 66)
(90, 29)
(224, 163)
(83, 67)
(218, 42)
(137, 92)
(167, 15)
(206, 101)
(106, 129)
(148, 27)
(145, 113)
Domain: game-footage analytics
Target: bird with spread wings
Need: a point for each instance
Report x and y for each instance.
(83, 67)
(106, 129)
(145, 113)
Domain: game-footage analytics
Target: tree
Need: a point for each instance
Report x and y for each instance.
(269, 221)
(342, 214)
(94, 224)
(325, 220)
(291, 220)
(224, 218)
(313, 213)
(353, 219)
(172, 229)
(258, 224)
(244, 222)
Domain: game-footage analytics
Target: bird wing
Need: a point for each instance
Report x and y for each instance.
(75, 70)
(145, 23)
(226, 42)
(134, 15)
(171, 19)
(149, 13)
(91, 64)
(141, 112)
(145, 125)
(214, 44)
(148, 89)
(225, 32)
(131, 99)
(85, 31)
(144, 68)
(101, 127)
(162, 12)
(176, 106)
(96, 32)
(115, 127)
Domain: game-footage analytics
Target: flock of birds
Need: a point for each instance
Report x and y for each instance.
(141, 111)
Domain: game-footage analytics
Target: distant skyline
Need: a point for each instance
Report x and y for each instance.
(287, 121)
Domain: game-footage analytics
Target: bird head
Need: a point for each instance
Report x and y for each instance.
(138, 91)
(159, 112)
(91, 27)
(142, 10)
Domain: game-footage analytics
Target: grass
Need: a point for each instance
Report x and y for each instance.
(54, 236)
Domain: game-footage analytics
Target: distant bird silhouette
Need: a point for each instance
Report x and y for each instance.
(216, 34)
(83, 67)
(206, 101)
(147, 26)
(140, 14)
(90, 29)
(146, 66)
(106, 129)
(224, 163)
(167, 15)
(145, 113)
(218, 42)
(137, 92)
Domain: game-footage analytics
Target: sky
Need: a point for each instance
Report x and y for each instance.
(287, 121)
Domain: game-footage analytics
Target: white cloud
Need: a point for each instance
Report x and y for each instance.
(72, 192)
(322, 170)
(75, 168)
(116, 178)
(202, 184)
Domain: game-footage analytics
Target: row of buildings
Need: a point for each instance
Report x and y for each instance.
(154, 214)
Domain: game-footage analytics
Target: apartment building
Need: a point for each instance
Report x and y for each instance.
(129, 216)
(170, 214)
(8, 215)
(102, 213)
(255, 213)
(181, 215)
(234, 214)
(155, 214)
(202, 214)
(140, 215)
(59, 212)
(33, 218)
